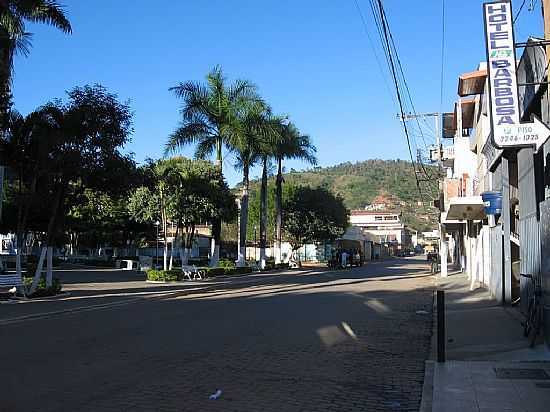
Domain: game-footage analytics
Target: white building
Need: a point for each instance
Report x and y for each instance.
(380, 226)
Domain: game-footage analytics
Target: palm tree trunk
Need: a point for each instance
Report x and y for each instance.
(216, 223)
(6, 58)
(263, 215)
(279, 209)
(243, 223)
(5, 102)
(174, 247)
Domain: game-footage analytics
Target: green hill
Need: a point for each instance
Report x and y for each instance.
(389, 181)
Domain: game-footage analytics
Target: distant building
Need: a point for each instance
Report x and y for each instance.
(380, 226)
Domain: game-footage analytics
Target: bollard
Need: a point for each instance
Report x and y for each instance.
(441, 326)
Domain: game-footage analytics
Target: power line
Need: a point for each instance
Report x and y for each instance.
(371, 43)
(519, 11)
(406, 86)
(394, 75)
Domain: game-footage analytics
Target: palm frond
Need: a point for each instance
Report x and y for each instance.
(45, 11)
(205, 148)
(187, 134)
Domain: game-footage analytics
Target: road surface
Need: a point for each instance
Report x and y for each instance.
(353, 340)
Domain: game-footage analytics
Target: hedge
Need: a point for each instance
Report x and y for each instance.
(227, 271)
(164, 275)
(177, 275)
(43, 291)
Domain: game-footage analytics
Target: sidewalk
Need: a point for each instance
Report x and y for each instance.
(489, 364)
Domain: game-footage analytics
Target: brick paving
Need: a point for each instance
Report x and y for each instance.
(345, 341)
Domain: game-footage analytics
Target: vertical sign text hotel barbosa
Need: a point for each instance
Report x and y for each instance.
(502, 63)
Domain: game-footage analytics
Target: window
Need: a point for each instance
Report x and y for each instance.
(390, 217)
(378, 218)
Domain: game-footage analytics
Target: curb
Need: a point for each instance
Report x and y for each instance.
(428, 387)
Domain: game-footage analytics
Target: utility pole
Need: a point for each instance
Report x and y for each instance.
(435, 115)
(443, 246)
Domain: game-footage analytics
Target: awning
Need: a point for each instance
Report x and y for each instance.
(451, 225)
(472, 83)
(449, 125)
(468, 106)
(466, 208)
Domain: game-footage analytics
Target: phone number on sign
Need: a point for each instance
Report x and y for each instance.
(526, 138)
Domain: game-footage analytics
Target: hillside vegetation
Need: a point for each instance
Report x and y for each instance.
(361, 183)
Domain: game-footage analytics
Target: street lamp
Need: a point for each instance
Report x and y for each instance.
(157, 224)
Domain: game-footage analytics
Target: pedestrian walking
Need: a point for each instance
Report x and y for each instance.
(344, 259)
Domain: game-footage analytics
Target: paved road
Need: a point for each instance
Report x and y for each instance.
(313, 341)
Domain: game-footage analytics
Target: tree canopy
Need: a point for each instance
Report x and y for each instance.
(313, 215)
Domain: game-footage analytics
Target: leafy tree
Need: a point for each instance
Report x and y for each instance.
(209, 114)
(97, 219)
(185, 192)
(14, 38)
(156, 202)
(90, 130)
(201, 195)
(25, 150)
(313, 215)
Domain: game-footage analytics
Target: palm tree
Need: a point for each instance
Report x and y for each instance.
(210, 114)
(15, 39)
(248, 137)
(290, 145)
(267, 153)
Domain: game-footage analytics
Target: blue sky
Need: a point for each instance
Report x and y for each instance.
(310, 59)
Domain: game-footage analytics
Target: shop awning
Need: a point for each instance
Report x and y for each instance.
(449, 125)
(468, 106)
(472, 83)
(466, 208)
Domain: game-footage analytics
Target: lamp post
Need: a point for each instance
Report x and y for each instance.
(157, 224)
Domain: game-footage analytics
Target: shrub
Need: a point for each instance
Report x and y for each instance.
(226, 263)
(212, 272)
(269, 266)
(282, 266)
(164, 275)
(42, 290)
(238, 271)
(221, 271)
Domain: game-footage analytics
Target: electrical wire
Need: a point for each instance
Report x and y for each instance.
(398, 92)
(406, 87)
(519, 11)
(371, 43)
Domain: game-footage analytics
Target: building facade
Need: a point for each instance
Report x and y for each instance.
(382, 227)
(494, 249)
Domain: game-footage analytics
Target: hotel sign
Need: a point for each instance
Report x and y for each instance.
(508, 131)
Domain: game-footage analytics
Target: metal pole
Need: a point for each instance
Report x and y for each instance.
(441, 326)
(157, 249)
